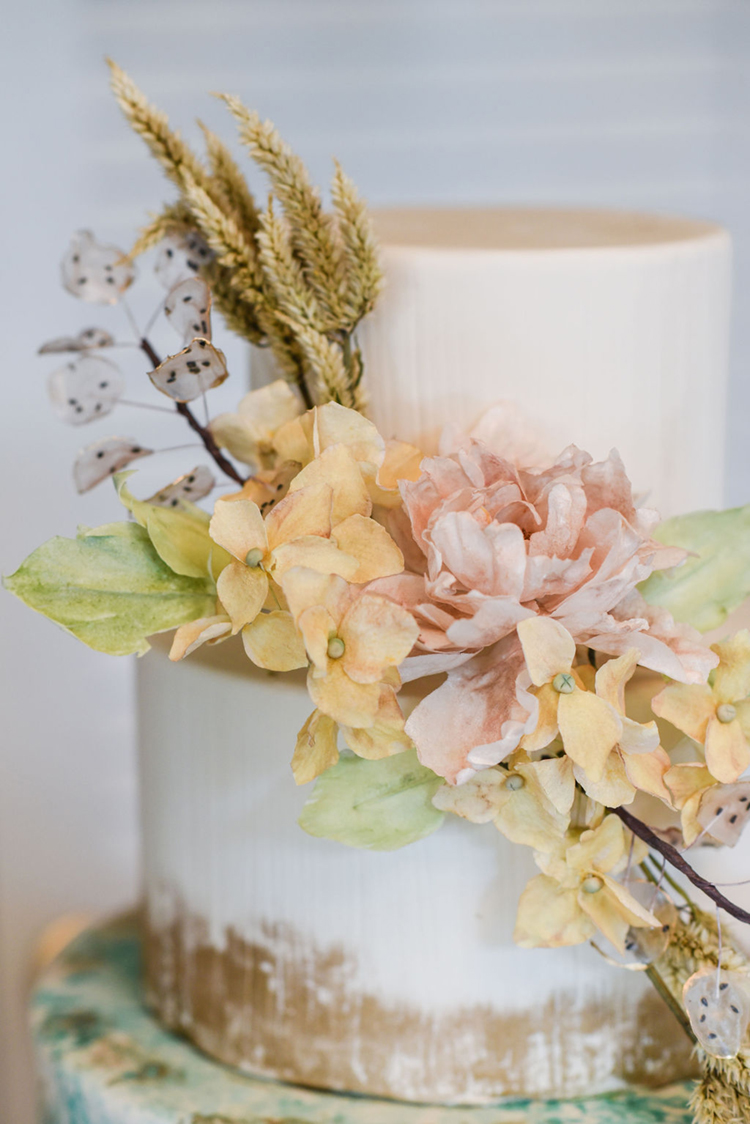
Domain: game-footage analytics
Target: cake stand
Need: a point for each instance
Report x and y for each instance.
(103, 1059)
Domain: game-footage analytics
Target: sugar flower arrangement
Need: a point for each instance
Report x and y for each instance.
(579, 709)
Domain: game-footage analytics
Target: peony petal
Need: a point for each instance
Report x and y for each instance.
(337, 469)
(689, 708)
(727, 751)
(589, 729)
(303, 511)
(549, 916)
(548, 648)
(371, 545)
(316, 748)
(495, 618)
(377, 634)
(480, 710)
(349, 703)
(238, 527)
(242, 591)
(731, 680)
(202, 631)
(315, 553)
(271, 641)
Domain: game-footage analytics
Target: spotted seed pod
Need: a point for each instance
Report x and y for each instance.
(104, 458)
(94, 272)
(188, 309)
(86, 340)
(85, 389)
(724, 811)
(718, 1007)
(197, 368)
(191, 487)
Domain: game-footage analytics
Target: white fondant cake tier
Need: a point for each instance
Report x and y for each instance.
(609, 329)
(396, 973)
(392, 973)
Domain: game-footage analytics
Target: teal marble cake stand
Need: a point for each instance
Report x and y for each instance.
(102, 1059)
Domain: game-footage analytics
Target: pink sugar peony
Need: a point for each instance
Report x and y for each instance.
(488, 544)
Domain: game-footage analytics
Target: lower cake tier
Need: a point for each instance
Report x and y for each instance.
(390, 974)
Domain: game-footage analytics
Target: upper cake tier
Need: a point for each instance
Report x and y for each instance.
(609, 329)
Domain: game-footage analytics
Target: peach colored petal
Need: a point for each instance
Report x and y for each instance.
(242, 591)
(377, 634)
(599, 850)
(555, 779)
(338, 425)
(190, 636)
(304, 588)
(589, 729)
(271, 641)
(546, 728)
(401, 462)
(372, 546)
(685, 780)
(636, 914)
(303, 511)
(689, 708)
(613, 789)
(566, 508)
(526, 816)
(604, 911)
(731, 680)
(638, 737)
(385, 737)
(317, 627)
(294, 442)
(337, 469)
(646, 771)
(270, 406)
(549, 916)
(478, 799)
(316, 748)
(743, 716)
(238, 527)
(349, 703)
(727, 751)
(612, 677)
(548, 648)
(315, 553)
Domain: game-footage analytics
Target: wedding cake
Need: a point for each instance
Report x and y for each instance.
(445, 732)
(395, 973)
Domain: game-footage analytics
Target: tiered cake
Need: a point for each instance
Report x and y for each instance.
(395, 973)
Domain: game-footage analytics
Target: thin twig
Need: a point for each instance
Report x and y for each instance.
(675, 859)
(203, 431)
(671, 1002)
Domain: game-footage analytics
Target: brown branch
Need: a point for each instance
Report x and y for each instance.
(675, 859)
(203, 431)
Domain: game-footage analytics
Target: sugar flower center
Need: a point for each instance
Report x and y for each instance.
(564, 683)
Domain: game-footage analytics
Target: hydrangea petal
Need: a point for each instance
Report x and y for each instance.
(689, 708)
(316, 748)
(372, 546)
(317, 626)
(337, 468)
(727, 751)
(548, 648)
(646, 771)
(338, 425)
(478, 800)
(546, 728)
(386, 737)
(190, 636)
(549, 916)
(612, 677)
(271, 641)
(599, 850)
(242, 591)
(613, 789)
(315, 553)
(304, 511)
(377, 634)
(238, 527)
(590, 729)
(731, 680)
(349, 703)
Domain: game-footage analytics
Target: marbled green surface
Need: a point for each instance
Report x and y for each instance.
(102, 1059)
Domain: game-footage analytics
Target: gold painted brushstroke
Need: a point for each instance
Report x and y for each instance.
(280, 1008)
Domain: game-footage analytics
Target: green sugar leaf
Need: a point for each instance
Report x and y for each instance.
(110, 588)
(381, 805)
(715, 579)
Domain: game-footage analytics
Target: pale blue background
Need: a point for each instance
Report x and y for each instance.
(632, 103)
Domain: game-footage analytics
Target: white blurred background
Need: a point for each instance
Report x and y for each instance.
(632, 103)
